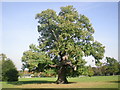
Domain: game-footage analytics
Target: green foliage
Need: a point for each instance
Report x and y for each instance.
(69, 32)
(83, 70)
(3, 56)
(104, 70)
(0, 70)
(50, 72)
(97, 71)
(66, 33)
(119, 69)
(8, 68)
(11, 75)
(35, 59)
(90, 71)
(112, 65)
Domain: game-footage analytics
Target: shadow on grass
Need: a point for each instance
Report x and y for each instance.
(30, 82)
(34, 82)
(115, 81)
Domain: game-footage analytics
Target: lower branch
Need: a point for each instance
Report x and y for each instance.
(53, 65)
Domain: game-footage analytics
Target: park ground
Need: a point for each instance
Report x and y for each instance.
(78, 82)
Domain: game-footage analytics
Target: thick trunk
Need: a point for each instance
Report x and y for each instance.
(62, 76)
(62, 69)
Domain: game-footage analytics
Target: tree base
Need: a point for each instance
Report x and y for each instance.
(61, 82)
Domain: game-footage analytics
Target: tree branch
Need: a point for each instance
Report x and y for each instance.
(73, 66)
(53, 65)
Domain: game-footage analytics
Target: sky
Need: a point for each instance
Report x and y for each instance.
(19, 26)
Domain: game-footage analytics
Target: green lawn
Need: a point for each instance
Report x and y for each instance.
(81, 82)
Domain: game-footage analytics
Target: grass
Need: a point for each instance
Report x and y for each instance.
(95, 79)
(82, 82)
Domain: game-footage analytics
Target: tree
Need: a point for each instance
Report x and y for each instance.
(90, 71)
(104, 69)
(12, 75)
(112, 65)
(97, 71)
(3, 56)
(118, 73)
(9, 70)
(66, 37)
(0, 70)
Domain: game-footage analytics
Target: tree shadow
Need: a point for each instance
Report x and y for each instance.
(71, 82)
(30, 82)
(35, 82)
(115, 81)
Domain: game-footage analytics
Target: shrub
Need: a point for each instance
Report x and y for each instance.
(9, 71)
(12, 75)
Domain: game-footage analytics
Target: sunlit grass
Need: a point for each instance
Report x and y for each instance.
(94, 79)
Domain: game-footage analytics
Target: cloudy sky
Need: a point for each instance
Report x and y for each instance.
(19, 27)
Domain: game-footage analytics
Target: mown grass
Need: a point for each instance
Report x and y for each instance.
(85, 82)
(94, 79)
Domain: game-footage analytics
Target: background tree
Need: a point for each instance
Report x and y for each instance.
(112, 65)
(12, 75)
(0, 70)
(104, 69)
(2, 58)
(90, 71)
(97, 71)
(118, 73)
(9, 71)
(66, 37)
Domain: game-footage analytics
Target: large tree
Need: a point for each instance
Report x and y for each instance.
(66, 37)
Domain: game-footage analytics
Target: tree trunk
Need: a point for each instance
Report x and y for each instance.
(62, 76)
(62, 69)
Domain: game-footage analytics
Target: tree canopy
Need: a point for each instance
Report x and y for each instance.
(68, 32)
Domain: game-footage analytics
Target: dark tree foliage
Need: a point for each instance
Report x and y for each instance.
(112, 65)
(9, 71)
(97, 71)
(11, 75)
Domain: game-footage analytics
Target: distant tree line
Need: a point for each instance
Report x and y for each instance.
(111, 67)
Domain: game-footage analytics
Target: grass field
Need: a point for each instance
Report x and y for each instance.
(81, 82)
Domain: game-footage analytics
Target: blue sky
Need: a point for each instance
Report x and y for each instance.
(19, 27)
